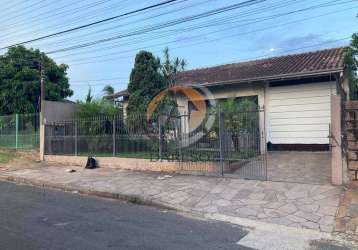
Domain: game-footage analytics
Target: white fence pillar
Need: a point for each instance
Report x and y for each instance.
(261, 114)
(42, 137)
(17, 131)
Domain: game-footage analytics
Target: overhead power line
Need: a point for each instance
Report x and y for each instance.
(25, 11)
(163, 25)
(52, 13)
(289, 50)
(199, 35)
(92, 24)
(14, 8)
(206, 24)
(205, 34)
(98, 84)
(216, 22)
(75, 13)
(188, 45)
(130, 22)
(103, 79)
(38, 19)
(282, 53)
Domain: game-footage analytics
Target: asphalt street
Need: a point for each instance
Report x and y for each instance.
(35, 218)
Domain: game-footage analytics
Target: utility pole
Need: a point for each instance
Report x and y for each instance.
(42, 110)
(42, 105)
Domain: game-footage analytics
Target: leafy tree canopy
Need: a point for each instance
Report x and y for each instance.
(351, 54)
(149, 76)
(20, 80)
(145, 81)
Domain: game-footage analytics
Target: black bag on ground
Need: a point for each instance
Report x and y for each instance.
(91, 163)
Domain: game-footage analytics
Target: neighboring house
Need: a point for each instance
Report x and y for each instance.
(294, 92)
(121, 99)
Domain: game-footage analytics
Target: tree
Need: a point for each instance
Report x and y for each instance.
(351, 54)
(170, 68)
(20, 80)
(108, 90)
(148, 77)
(145, 82)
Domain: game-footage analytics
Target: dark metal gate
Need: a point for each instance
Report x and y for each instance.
(232, 145)
(244, 145)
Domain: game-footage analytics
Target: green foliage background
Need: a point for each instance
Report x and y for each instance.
(149, 76)
(351, 53)
(145, 82)
(20, 80)
(96, 108)
(237, 114)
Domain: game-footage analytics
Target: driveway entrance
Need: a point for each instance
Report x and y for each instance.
(300, 167)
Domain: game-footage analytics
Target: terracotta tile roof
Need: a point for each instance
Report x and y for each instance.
(328, 60)
(321, 61)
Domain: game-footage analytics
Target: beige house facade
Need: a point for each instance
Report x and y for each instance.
(294, 93)
(299, 97)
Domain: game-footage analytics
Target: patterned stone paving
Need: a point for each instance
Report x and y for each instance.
(347, 216)
(290, 204)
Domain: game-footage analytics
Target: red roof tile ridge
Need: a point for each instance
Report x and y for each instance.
(266, 59)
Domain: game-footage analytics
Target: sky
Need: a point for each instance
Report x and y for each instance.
(240, 31)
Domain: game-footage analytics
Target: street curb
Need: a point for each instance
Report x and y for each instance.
(135, 199)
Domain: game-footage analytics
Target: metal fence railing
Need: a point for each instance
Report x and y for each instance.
(230, 145)
(19, 131)
(103, 136)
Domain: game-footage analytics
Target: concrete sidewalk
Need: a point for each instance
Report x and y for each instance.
(303, 206)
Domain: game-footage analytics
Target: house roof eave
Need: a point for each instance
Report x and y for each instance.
(271, 78)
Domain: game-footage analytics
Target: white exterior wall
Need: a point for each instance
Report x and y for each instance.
(299, 114)
(294, 114)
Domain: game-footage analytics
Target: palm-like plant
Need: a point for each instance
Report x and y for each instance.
(108, 90)
(89, 96)
(171, 67)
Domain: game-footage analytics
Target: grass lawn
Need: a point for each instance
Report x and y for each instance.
(5, 157)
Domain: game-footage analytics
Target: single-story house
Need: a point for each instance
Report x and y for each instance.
(293, 90)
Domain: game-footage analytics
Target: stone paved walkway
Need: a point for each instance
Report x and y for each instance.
(347, 216)
(290, 204)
